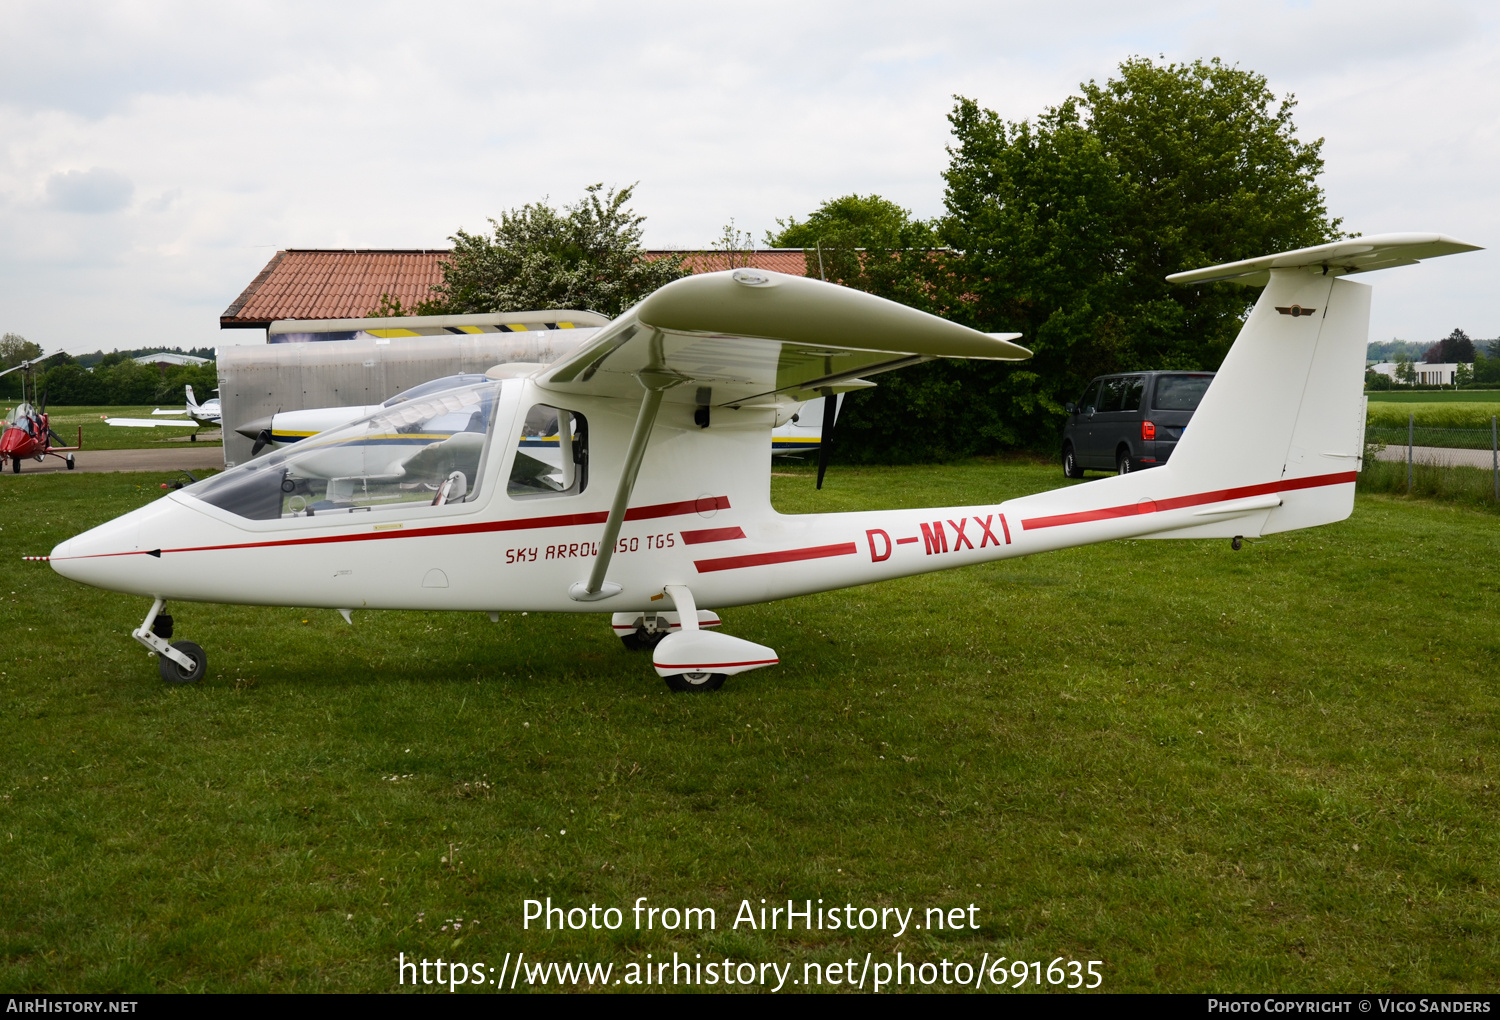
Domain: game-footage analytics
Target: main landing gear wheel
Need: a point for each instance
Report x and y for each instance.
(1123, 464)
(1070, 463)
(696, 681)
(193, 438)
(15, 465)
(70, 462)
(172, 673)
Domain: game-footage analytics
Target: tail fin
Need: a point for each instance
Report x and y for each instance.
(1285, 414)
(192, 402)
(1277, 440)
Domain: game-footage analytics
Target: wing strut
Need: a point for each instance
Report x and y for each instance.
(596, 588)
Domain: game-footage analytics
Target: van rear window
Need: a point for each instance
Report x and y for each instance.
(1179, 392)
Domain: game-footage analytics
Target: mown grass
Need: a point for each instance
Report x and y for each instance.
(1272, 769)
(97, 435)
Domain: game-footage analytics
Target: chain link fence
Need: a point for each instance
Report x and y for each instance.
(1461, 464)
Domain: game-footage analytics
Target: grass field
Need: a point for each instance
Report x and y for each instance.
(1271, 769)
(1435, 397)
(1450, 415)
(99, 436)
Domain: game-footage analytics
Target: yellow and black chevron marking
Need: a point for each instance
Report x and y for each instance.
(505, 327)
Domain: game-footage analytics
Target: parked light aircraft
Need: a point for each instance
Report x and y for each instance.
(660, 497)
(198, 416)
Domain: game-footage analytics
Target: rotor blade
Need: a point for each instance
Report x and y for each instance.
(830, 409)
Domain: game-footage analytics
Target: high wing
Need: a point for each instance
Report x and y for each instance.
(749, 336)
(150, 423)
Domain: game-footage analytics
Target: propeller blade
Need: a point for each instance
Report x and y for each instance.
(830, 409)
(261, 441)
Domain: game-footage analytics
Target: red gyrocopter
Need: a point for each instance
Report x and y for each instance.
(26, 433)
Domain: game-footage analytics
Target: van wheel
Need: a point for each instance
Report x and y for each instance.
(1070, 463)
(1123, 464)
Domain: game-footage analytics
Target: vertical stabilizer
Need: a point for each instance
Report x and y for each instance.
(1286, 406)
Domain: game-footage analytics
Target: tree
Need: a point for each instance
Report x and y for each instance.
(1463, 375)
(15, 349)
(1455, 348)
(1404, 372)
(588, 256)
(866, 242)
(1064, 228)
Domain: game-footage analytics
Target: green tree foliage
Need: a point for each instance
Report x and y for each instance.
(15, 349)
(1063, 228)
(587, 256)
(1455, 348)
(869, 243)
(127, 383)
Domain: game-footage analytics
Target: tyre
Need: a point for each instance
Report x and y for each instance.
(172, 673)
(70, 462)
(1123, 464)
(641, 641)
(1070, 463)
(15, 465)
(193, 438)
(696, 681)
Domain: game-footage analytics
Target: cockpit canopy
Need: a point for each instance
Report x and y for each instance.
(425, 450)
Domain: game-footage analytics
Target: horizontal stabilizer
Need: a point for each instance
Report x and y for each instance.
(1338, 258)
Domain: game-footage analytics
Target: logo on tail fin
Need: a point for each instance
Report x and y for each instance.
(1295, 310)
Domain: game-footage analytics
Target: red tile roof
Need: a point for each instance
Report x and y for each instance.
(321, 284)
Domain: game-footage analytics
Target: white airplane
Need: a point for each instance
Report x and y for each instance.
(198, 416)
(649, 515)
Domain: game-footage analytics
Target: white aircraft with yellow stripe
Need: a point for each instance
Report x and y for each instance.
(657, 509)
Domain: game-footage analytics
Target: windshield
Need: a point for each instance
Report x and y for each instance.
(448, 382)
(1180, 392)
(425, 452)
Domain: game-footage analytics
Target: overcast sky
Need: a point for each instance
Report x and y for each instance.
(154, 156)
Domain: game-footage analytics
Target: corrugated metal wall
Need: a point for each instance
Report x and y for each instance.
(255, 381)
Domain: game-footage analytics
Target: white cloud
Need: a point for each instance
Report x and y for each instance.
(237, 130)
(89, 191)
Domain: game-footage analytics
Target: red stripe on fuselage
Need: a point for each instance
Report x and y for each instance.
(711, 535)
(816, 552)
(1178, 502)
(640, 513)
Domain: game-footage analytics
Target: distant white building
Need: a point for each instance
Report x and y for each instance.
(1424, 375)
(169, 358)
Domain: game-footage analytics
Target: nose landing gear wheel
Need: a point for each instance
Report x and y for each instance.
(696, 681)
(172, 673)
